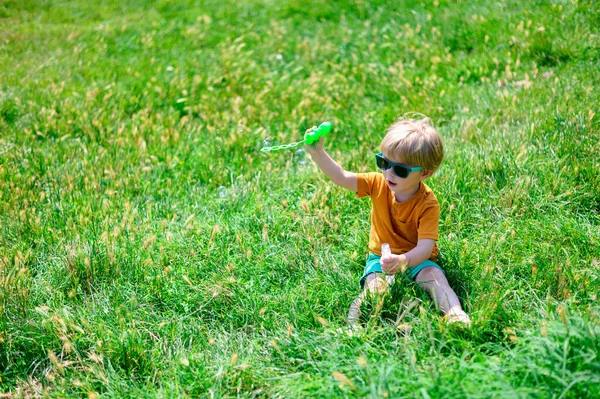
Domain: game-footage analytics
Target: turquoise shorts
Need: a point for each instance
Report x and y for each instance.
(373, 266)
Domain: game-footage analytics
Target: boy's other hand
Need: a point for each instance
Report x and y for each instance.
(394, 264)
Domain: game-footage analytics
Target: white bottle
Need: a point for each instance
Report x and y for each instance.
(386, 252)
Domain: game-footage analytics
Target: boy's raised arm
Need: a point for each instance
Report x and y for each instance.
(332, 169)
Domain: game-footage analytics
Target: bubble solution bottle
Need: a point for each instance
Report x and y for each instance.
(386, 252)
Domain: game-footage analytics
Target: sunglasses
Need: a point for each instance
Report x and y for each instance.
(400, 170)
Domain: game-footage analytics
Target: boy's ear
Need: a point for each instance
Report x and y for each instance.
(426, 173)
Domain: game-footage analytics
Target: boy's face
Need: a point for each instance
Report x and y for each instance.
(403, 185)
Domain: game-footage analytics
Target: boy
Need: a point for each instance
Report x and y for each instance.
(405, 213)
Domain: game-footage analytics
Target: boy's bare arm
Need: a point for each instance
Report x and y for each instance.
(420, 253)
(332, 169)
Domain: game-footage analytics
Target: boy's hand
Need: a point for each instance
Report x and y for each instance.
(394, 264)
(316, 147)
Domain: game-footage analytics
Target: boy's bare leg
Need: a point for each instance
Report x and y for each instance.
(375, 285)
(433, 280)
(354, 312)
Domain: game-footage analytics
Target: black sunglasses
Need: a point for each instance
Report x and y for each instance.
(400, 170)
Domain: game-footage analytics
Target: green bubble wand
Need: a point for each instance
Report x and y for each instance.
(310, 137)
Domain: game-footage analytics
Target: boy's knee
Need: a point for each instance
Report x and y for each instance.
(430, 277)
(429, 273)
(377, 285)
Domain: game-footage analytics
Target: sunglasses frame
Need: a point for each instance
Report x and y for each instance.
(394, 165)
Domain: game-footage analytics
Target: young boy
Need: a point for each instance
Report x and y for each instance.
(405, 213)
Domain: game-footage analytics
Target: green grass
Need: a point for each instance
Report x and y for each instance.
(124, 273)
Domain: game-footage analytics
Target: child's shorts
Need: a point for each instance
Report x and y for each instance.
(373, 266)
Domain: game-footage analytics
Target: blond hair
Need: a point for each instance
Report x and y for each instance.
(416, 142)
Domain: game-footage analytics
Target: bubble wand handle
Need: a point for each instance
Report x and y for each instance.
(310, 137)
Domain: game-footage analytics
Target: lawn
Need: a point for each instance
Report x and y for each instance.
(149, 249)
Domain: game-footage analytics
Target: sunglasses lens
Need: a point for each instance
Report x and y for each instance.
(382, 163)
(401, 171)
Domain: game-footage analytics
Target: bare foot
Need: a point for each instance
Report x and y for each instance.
(458, 316)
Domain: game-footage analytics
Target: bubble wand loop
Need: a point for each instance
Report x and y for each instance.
(310, 138)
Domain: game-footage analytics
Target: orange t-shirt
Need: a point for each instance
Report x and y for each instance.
(400, 224)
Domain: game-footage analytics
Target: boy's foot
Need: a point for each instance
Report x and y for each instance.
(458, 316)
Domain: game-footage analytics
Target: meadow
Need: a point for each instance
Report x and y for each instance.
(149, 249)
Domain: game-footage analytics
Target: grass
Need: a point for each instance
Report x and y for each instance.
(148, 249)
